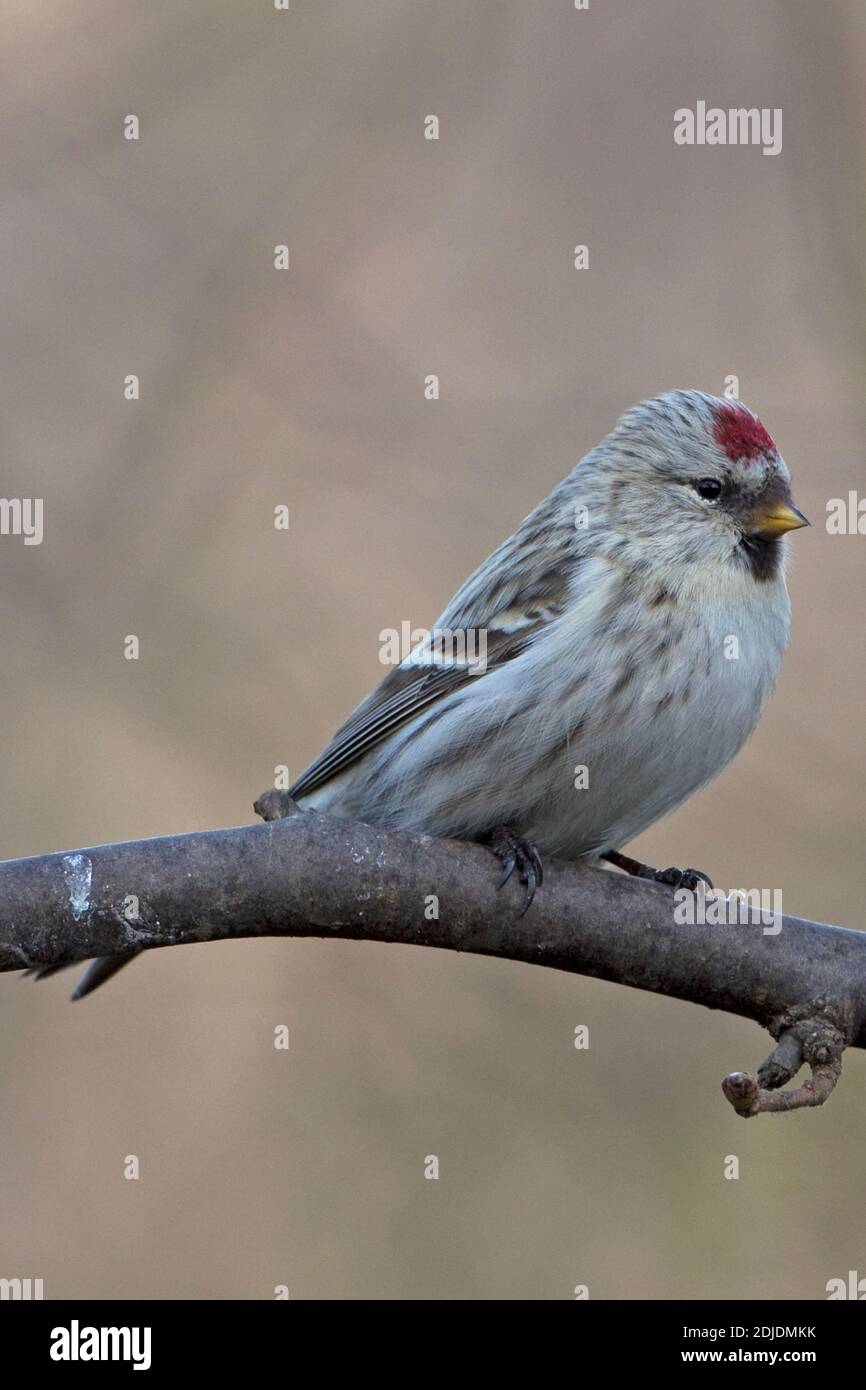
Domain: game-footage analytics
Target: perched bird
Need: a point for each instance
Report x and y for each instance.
(632, 629)
(633, 623)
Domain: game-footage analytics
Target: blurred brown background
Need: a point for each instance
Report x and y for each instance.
(408, 257)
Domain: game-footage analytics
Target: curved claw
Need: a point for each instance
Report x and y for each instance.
(535, 860)
(531, 882)
(516, 853)
(692, 877)
(682, 878)
(509, 864)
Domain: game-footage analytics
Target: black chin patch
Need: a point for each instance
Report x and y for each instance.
(762, 558)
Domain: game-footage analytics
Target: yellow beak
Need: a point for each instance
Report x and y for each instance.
(781, 517)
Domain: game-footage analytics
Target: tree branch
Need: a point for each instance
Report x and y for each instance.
(310, 875)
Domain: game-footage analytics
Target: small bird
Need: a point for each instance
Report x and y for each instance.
(633, 626)
(632, 629)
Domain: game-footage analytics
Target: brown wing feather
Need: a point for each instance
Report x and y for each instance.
(512, 621)
(400, 696)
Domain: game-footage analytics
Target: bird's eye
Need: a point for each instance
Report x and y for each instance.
(708, 488)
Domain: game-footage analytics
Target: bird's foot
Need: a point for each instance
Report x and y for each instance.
(98, 971)
(513, 852)
(276, 805)
(681, 878)
(673, 878)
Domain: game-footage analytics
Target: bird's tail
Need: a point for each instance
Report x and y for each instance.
(97, 972)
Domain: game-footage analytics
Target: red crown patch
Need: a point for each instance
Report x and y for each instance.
(740, 434)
